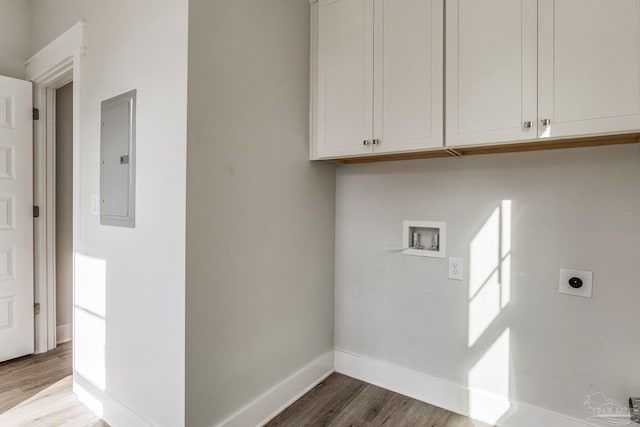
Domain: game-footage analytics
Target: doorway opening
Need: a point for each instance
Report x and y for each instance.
(52, 70)
(63, 212)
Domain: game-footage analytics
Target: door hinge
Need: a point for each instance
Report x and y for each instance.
(36, 308)
(36, 211)
(36, 114)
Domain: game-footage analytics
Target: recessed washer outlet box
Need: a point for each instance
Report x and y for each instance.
(576, 282)
(424, 238)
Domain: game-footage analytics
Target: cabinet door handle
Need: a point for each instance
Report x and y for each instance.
(527, 125)
(365, 142)
(376, 142)
(546, 122)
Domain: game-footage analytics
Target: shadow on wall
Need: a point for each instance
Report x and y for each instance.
(488, 379)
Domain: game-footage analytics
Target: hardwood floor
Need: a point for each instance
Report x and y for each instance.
(341, 401)
(37, 391)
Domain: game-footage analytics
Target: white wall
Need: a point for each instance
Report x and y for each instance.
(64, 205)
(14, 37)
(129, 316)
(571, 208)
(260, 216)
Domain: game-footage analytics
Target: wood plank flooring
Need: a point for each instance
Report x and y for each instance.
(37, 391)
(341, 401)
(24, 377)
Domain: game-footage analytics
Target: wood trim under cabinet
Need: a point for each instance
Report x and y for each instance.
(631, 138)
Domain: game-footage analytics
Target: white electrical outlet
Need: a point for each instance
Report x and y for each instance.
(576, 282)
(455, 269)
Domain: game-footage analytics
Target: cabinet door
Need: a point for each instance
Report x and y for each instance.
(589, 66)
(345, 77)
(491, 71)
(408, 69)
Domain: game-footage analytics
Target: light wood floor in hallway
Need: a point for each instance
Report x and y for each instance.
(37, 391)
(341, 401)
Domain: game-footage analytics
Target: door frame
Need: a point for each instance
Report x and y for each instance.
(57, 64)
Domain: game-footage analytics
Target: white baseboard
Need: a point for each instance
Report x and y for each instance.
(106, 407)
(275, 400)
(64, 333)
(445, 394)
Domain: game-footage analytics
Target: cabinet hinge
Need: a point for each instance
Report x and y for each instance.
(36, 114)
(36, 308)
(36, 211)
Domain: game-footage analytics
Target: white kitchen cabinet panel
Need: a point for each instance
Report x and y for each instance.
(408, 75)
(589, 65)
(344, 104)
(377, 77)
(491, 71)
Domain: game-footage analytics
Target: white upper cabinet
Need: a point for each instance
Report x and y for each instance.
(589, 53)
(345, 77)
(491, 71)
(533, 69)
(515, 71)
(408, 75)
(378, 83)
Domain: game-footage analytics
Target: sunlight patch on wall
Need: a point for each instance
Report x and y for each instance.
(505, 252)
(490, 255)
(489, 271)
(92, 403)
(488, 382)
(484, 253)
(484, 308)
(90, 319)
(90, 284)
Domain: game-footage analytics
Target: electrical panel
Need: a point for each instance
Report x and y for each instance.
(117, 161)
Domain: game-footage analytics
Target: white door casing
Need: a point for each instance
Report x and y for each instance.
(491, 71)
(16, 219)
(56, 65)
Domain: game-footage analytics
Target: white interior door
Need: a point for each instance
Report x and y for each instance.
(589, 67)
(408, 55)
(16, 219)
(491, 71)
(345, 77)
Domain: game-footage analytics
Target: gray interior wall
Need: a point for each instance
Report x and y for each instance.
(64, 204)
(58, 20)
(15, 36)
(260, 216)
(575, 208)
